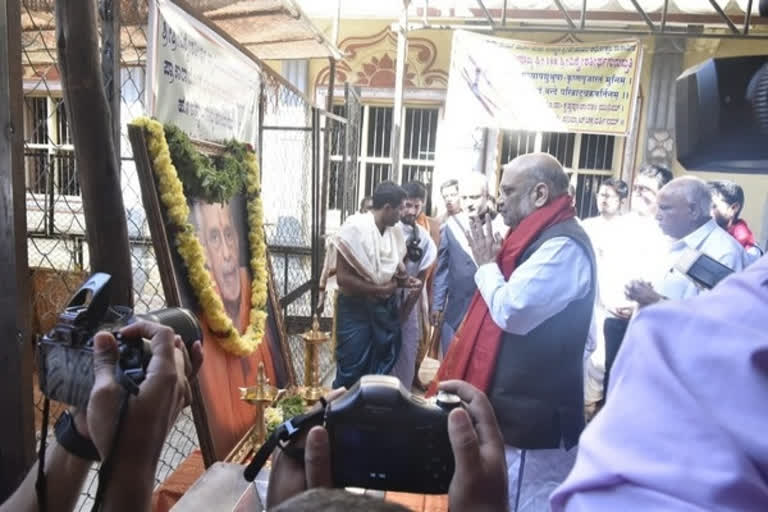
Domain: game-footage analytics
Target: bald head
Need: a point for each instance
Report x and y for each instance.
(685, 204)
(530, 182)
(541, 168)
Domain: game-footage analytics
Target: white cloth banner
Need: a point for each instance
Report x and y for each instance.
(197, 80)
(503, 83)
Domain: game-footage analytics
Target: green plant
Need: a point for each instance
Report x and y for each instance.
(213, 179)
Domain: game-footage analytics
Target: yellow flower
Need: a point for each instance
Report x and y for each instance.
(171, 194)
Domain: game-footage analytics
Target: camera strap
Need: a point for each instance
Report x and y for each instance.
(282, 437)
(107, 466)
(105, 470)
(41, 483)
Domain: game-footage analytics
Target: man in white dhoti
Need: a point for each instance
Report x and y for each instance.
(414, 302)
(369, 268)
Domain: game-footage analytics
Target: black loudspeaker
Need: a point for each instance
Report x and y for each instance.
(720, 115)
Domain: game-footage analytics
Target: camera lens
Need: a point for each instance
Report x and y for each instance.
(181, 320)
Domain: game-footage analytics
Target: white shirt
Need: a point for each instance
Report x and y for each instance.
(601, 232)
(606, 237)
(709, 239)
(628, 247)
(555, 275)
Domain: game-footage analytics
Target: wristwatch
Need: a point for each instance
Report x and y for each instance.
(70, 439)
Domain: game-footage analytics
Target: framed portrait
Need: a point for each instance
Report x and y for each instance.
(223, 231)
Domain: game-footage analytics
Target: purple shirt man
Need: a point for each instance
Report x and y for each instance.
(685, 425)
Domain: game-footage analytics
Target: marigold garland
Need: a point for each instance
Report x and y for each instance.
(193, 255)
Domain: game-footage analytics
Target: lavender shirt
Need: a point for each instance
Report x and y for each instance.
(686, 422)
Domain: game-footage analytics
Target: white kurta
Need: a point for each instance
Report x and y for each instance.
(626, 248)
(558, 273)
(413, 328)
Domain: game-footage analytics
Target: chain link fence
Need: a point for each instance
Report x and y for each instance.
(290, 149)
(56, 240)
(287, 159)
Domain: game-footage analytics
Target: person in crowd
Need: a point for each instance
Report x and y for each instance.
(454, 282)
(320, 499)
(634, 251)
(414, 308)
(683, 429)
(431, 224)
(327, 282)
(150, 414)
(685, 215)
(650, 179)
(477, 202)
(573, 181)
(370, 253)
(611, 197)
(524, 336)
(727, 203)
(366, 204)
(604, 232)
(449, 190)
(643, 241)
(479, 480)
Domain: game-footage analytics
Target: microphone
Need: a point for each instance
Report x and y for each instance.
(703, 270)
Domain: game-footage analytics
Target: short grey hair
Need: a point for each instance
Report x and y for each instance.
(696, 193)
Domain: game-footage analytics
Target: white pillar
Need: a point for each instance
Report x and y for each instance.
(397, 115)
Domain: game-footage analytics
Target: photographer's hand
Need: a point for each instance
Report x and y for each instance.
(149, 416)
(162, 395)
(290, 477)
(480, 480)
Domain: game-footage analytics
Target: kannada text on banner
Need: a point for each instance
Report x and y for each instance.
(584, 87)
(199, 81)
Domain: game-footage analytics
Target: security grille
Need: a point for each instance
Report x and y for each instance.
(591, 158)
(49, 157)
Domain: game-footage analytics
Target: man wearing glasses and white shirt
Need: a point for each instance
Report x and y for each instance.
(684, 214)
(635, 252)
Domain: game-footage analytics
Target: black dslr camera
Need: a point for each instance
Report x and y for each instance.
(383, 437)
(65, 354)
(413, 249)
